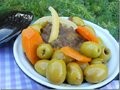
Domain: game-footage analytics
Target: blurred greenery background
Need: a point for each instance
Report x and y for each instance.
(104, 13)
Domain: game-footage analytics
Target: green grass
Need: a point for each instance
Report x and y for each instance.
(102, 12)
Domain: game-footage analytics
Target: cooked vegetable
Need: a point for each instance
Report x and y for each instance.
(30, 41)
(75, 54)
(78, 21)
(82, 65)
(56, 71)
(38, 26)
(65, 22)
(100, 42)
(40, 66)
(55, 25)
(58, 54)
(90, 29)
(74, 74)
(86, 33)
(96, 73)
(106, 54)
(97, 61)
(44, 51)
(90, 49)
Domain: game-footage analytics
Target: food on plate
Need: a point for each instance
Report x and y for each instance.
(40, 66)
(83, 65)
(31, 39)
(39, 26)
(90, 49)
(86, 33)
(44, 51)
(105, 54)
(75, 54)
(78, 21)
(100, 42)
(58, 54)
(64, 22)
(97, 61)
(90, 29)
(96, 73)
(56, 71)
(55, 25)
(66, 50)
(67, 36)
(74, 74)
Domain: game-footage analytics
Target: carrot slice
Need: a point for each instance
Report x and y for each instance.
(74, 54)
(85, 33)
(30, 41)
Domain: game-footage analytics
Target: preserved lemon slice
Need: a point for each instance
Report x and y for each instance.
(63, 20)
(55, 25)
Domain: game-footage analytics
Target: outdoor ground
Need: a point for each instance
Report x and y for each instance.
(104, 13)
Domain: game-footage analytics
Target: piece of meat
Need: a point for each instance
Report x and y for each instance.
(67, 37)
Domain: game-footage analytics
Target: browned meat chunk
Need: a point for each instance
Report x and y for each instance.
(67, 37)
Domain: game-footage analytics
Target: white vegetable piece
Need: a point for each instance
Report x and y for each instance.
(55, 25)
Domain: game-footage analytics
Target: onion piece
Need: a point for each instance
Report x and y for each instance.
(55, 25)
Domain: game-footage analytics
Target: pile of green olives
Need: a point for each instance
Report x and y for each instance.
(96, 51)
(59, 68)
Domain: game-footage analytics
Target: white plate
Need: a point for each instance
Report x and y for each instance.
(113, 64)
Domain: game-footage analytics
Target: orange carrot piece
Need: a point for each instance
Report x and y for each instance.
(30, 41)
(85, 33)
(74, 54)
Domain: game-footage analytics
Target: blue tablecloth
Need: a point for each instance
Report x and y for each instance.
(12, 77)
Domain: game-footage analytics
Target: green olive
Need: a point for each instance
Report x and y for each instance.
(39, 26)
(96, 73)
(44, 51)
(78, 21)
(74, 74)
(97, 61)
(56, 71)
(90, 29)
(58, 54)
(82, 65)
(40, 66)
(105, 54)
(100, 41)
(90, 49)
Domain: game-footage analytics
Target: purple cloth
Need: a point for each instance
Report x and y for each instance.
(11, 76)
